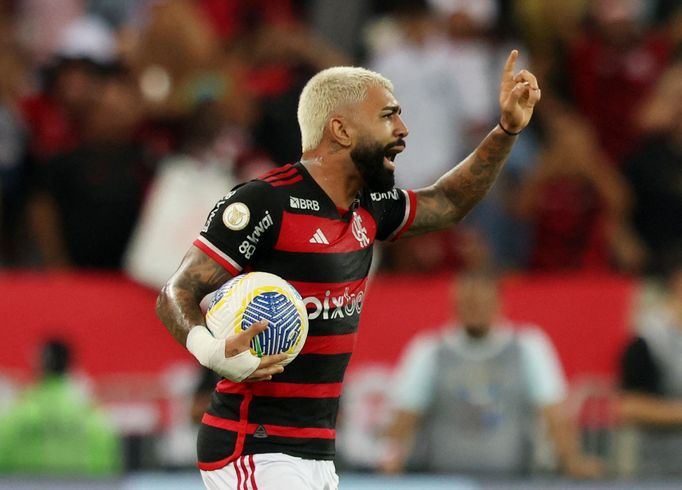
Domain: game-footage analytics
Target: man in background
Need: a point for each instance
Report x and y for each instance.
(467, 398)
(651, 383)
(53, 429)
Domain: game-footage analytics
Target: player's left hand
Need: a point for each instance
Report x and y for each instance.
(240, 342)
(518, 95)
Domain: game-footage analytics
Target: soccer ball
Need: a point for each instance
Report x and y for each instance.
(248, 298)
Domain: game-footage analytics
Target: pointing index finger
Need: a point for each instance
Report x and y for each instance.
(508, 70)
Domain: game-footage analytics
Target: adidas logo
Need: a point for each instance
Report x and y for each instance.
(319, 237)
(260, 433)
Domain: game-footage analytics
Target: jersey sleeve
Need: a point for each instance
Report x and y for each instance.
(393, 212)
(242, 225)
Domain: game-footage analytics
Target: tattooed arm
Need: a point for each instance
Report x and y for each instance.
(178, 308)
(455, 193)
(178, 304)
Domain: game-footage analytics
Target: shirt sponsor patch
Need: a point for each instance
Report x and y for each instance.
(302, 203)
(248, 246)
(378, 196)
(236, 216)
(334, 306)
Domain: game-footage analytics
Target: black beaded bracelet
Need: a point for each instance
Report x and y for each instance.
(507, 131)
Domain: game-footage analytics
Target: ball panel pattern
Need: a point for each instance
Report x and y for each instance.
(284, 320)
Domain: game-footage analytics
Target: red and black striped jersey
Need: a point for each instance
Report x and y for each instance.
(285, 224)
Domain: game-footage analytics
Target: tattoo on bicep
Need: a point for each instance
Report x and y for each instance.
(178, 305)
(434, 211)
(202, 275)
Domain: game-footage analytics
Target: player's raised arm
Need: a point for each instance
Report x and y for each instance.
(178, 308)
(455, 193)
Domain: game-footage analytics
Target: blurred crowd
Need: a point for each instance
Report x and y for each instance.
(121, 117)
(123, 121)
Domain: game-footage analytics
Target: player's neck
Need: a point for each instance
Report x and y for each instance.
(335, 174)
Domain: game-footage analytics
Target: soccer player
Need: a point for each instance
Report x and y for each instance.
(313, 223)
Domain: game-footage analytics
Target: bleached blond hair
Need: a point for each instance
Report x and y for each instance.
(328, 91)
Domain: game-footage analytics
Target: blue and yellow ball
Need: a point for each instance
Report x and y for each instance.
(249, 298)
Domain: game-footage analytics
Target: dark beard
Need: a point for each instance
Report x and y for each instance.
(369, 160)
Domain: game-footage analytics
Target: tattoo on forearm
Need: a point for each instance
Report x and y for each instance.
(467, 183)
(178, 304)
(455, 193)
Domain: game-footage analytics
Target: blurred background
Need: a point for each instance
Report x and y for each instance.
(123, 121)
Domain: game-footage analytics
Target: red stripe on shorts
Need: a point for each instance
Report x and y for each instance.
(252, 465)
(239, 475)
(246, 472)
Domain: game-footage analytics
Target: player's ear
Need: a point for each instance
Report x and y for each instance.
(340, 131)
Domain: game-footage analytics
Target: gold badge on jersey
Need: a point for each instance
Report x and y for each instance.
(236, 216)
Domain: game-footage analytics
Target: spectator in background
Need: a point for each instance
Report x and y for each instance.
(445, 94)
(577, 204)
(467, 398)
(13, 168)
(458, 248)
(89, 198)
(654, 171)
(546, 25)
(476, 46)
(173, 209)
(651, 383)
(549, 28)
(445, 99)
(68, 48)
(282, 53)
(179, 61)
(56, 115)
(443, 53)
(236, 52)
(613, 68)
(45, 27)
(54, 430)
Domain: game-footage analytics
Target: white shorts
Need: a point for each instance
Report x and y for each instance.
(273, 471)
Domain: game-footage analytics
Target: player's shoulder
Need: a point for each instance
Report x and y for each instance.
(532, 338)
(283, 177)
(272, 186)
(244, 201)
(426, 342)
(266, 186)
